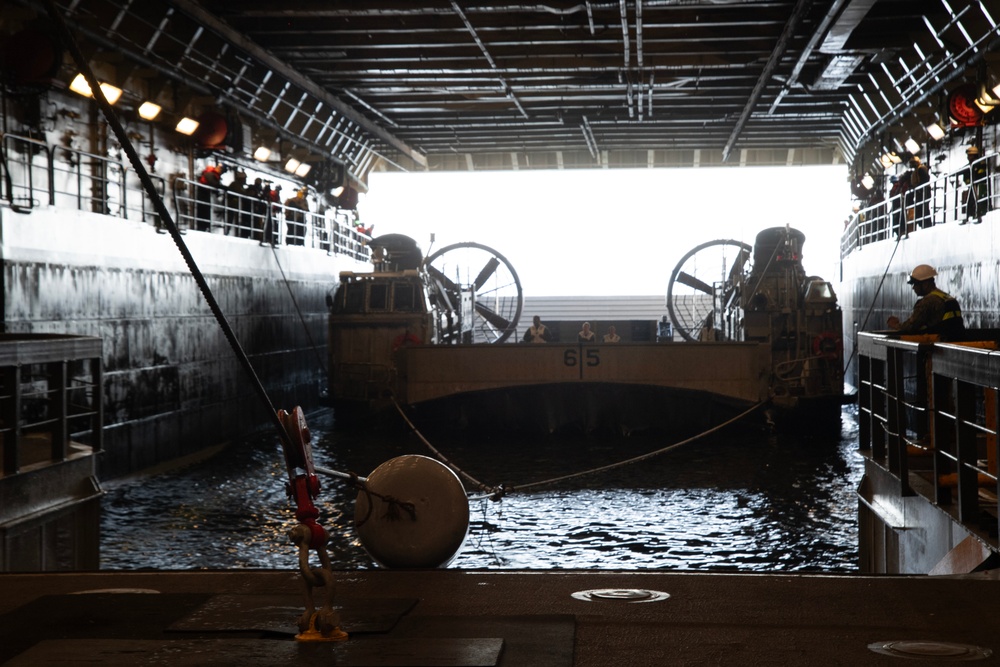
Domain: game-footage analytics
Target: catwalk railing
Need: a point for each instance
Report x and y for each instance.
(50, 399)
(34, 174)
(928, 415)
(960, 197)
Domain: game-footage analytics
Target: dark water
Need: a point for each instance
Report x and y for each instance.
(735, 502)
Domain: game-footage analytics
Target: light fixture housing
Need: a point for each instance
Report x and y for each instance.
(187, 126)
(80, 86)
(262, 153)
(912, 146)
(291, 165)
(868, 181)
(149, 110)
(935, 131)
(303, 169)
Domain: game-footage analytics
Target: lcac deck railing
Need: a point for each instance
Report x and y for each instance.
(51, 429)
(928, 415)
(50, 399)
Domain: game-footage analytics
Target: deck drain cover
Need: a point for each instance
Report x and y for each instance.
(621, 595)
(929, 650)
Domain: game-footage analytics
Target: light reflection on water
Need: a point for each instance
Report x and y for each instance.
(737, 502)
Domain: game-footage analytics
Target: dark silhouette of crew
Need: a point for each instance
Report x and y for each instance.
(935, 311)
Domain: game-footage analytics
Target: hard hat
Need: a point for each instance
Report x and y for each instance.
(972, 150)
(921, 272)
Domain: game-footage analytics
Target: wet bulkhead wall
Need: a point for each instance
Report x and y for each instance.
(172, 384)
(83, 253)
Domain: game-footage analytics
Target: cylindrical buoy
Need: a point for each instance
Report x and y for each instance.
(428, 526)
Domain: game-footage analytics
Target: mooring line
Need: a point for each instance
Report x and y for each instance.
(878, 290)
(305, 327)
(499, 491)
(441, 457)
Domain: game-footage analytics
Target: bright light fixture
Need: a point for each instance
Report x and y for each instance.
(935, 131)
(80, 86)
(337, 191)
(292, 165)
(885, 160)
(912, 146)
(149, 110)
(868, 181)
(262, 153)
(303, 169)
(187, 126)
(894, 157)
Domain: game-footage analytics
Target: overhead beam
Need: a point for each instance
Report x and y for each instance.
(801, 7)
(197, 12)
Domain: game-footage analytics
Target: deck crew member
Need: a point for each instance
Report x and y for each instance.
(586, 335)
(537, 332)
(295, 218)
(611, 336)
(976, 178)
(920, 176)
(934, 313)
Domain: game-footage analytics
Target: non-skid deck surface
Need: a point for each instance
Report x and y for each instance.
(116, 629)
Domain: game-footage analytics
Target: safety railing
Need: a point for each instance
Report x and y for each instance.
(50, 399)
(205, 208)
(34, 174)
(959, 197)
(928, 415)
(27, 178)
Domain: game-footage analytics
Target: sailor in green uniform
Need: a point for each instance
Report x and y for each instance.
(934, 313)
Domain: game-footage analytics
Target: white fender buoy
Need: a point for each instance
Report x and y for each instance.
(429, 536)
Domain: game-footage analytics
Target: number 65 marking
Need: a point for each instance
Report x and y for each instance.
(571, 357)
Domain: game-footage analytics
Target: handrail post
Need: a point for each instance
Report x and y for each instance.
(10, 411)
(60, 430)
(965, 452)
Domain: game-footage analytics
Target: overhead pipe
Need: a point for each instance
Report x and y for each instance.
(588, 137)
(638, 52)
(800, 9)
(626, 42)
(508, 91)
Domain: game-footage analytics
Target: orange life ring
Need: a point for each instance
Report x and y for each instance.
(405, 339)
(828, 346)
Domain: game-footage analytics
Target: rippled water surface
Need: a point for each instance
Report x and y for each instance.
(733, 502)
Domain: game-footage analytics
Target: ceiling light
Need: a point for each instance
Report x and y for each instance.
(885, 161)
(936, 131)
(292, 165)
(894, 157)
(912, 146)
(187, 126)
(262, 153)
(80, 86)
(337, 191)
(868, 181)
(149, 110)
(302, 169)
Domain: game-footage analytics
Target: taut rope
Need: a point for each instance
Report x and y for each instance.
(499, 491)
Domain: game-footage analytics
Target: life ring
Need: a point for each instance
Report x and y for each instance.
(828, 346)
(405, 339)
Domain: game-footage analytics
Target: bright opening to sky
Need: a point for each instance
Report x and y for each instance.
(611, 232)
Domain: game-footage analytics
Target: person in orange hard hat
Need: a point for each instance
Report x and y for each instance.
(935, 311)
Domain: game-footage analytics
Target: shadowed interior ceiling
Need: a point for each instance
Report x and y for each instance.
(456, 85)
